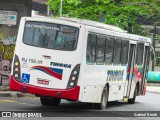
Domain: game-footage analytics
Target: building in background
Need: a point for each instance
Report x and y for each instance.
(39, 8)
(11, 12)
(153, 31)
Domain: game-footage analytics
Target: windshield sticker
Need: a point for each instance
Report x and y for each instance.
(54, 72)
(42, 27)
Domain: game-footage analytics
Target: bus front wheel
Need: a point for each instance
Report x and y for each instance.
(104, 100)
(50, 101)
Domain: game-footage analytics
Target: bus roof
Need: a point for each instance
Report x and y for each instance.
(94, 24)
(106, 27)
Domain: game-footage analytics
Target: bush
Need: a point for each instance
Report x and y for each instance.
(157, 61)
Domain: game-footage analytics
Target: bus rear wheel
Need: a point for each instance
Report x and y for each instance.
(104, 100)
(132, 100)
(50, 101)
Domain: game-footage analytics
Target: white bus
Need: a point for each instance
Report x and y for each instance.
(78, 60)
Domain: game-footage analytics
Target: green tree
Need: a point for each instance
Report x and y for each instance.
(122, 13)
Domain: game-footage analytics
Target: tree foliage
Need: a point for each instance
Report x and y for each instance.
(122, 13)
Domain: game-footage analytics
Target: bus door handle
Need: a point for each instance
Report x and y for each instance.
(47, 57)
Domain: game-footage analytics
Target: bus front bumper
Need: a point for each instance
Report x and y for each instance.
(72, 94)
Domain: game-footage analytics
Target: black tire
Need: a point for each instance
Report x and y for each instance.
(50, 101)
(132, 100)
(104, 100)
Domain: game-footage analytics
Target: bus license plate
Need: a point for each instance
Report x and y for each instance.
(44, 82)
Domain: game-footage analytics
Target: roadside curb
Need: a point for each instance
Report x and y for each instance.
(153, 84)
(153, 92)
(153, 89)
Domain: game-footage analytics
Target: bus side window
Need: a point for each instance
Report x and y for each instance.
(140, 50)
(109, 50)
(91, 49)
(100, 49)
(124, 53)
(117, 51)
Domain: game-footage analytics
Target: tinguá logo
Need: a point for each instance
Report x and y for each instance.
(60, 65)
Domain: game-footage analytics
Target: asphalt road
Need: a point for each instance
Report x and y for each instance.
(121, 110)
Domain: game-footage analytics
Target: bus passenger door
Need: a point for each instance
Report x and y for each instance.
(130, 69)
(145, 70)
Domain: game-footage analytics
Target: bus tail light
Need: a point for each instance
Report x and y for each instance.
(16, 69)
(74, 77)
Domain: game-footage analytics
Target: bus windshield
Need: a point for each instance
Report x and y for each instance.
(51, 36)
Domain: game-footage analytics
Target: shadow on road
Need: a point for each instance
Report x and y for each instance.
(74, 106)
(78, 109)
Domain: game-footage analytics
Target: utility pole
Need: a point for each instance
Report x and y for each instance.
(154, 38)
(61, 8)
(48, 11)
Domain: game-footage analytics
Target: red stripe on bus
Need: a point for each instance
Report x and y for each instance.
(52, 73)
